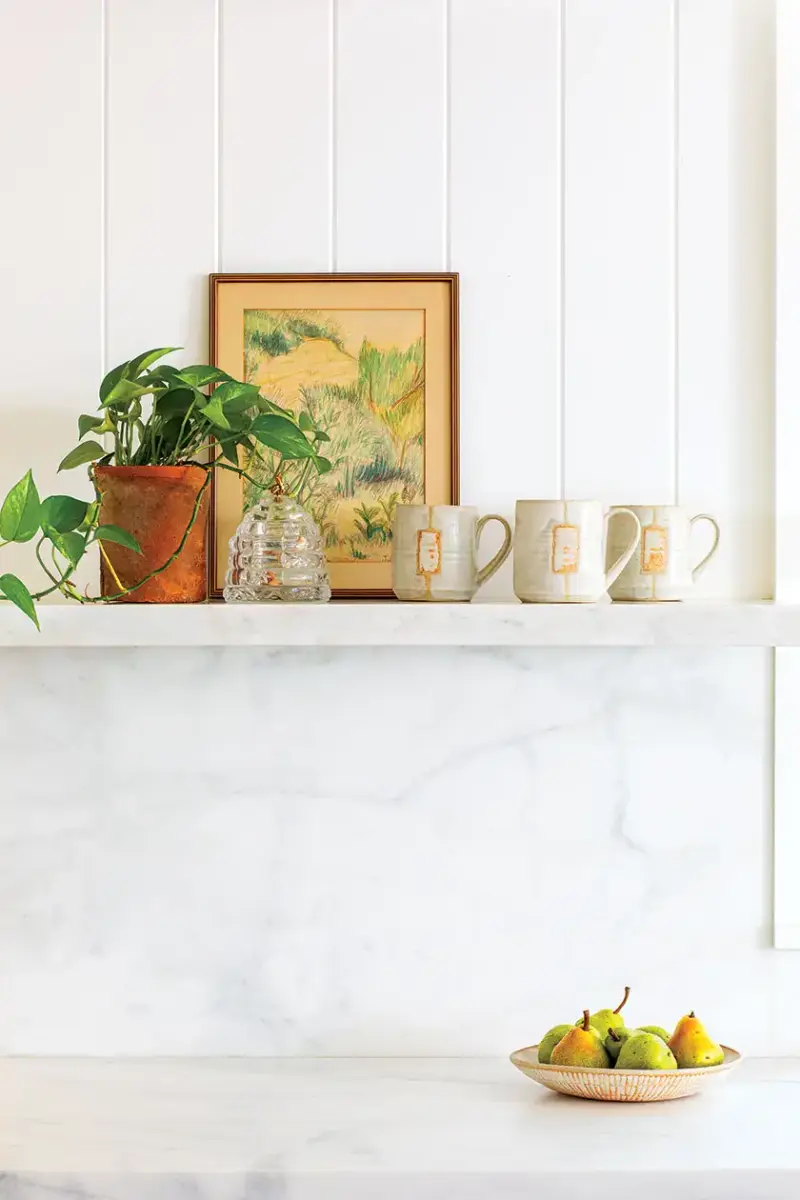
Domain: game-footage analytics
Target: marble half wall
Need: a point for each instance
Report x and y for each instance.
(382, 852)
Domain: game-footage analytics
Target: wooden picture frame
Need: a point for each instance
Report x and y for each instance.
(374, 360)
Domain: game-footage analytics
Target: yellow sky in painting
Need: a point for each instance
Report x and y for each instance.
(383, 327)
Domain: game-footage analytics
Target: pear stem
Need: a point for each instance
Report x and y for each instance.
(624, 1001)
(586, 1024)
(691, 1014)
(612, 1035)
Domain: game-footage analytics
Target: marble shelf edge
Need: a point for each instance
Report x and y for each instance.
(388, 623)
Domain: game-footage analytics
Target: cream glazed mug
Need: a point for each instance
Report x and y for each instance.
(435, 551)
(662, 570)
(560, 550)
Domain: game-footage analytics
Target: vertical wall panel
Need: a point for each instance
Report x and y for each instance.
(787, 475)
(50, 213)
(160, 171)
(619, 250)
(390, 146)
(275, 135)
(505, 241)
(725, 284)
(787, 378)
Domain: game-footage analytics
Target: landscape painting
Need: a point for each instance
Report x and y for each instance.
(370, 364)
(360, 377)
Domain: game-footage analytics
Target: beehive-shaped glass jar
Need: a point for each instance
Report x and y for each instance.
(277, 554)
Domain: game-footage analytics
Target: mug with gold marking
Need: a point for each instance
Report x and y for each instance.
(560, 550)
(435, 551)
(662, 569)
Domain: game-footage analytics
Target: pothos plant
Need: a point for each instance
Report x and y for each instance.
(153, 415)
(63, 528)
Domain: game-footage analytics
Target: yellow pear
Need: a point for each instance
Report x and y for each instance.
(692, 1046)
(582, 1046)
(550, 1040)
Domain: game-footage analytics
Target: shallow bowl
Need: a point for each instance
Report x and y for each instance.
(608, 1083)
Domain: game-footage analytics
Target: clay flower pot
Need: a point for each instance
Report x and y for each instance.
(155, 505)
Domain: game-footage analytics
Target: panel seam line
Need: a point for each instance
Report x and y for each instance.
(333, 133)
(675, 253)
(447, 100)
(562, 251)
(217, 136)
(103, 187)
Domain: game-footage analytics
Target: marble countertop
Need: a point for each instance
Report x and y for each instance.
(381, 1129)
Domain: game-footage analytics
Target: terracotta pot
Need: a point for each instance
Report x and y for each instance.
(155, 505)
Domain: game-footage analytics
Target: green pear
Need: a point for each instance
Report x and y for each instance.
(645, 1052)
(550, 1041)
(658, 1030)
(616, 1039)
(692, 1046)
(581, 1046)
(609, 1018)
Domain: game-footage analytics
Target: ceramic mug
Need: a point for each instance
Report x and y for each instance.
(662, 570)
(435, 551)
(560, 550)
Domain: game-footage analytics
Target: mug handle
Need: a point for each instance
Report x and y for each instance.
(627, 554)
(495, 563)
(705, 561)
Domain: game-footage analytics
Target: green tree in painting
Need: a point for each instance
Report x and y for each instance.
(393, 384)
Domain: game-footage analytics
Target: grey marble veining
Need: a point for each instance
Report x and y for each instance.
(375, 851)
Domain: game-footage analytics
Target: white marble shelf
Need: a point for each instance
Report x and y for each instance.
(389, 623)
(389, 1129)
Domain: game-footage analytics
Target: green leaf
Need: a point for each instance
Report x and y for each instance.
(201, 376)
(86, 422)
(235, 396)
(321, 436)
(143, 361)
(175, 403)
(123, 392)
(283, 436)
(269, 406)
(323, 465)
(230, 450)
(113, 533)
(71, 546)
(240, 404)
(162, 376)
(112, 379)
(85, 453)
(62, 514)
(305, 422)
(19, 516)
(14, 590)
(214, 413)
(168, 435)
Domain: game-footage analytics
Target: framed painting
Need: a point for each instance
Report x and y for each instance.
(373, 361)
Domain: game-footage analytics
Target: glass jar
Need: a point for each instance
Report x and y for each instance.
(277, 554)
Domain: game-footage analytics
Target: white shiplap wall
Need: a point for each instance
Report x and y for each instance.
(599, 171)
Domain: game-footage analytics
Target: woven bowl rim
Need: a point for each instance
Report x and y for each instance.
(525, 1060)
